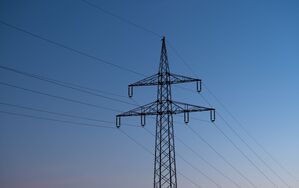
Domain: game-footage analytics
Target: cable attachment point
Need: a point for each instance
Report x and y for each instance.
(117, 122)
(186, 117)
(142, 120)
(130, 91)
(212, 115)
(198, 86)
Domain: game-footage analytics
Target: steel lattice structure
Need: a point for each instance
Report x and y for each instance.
(164, 108)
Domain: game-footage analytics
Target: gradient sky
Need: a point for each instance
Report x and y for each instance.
(246, 52)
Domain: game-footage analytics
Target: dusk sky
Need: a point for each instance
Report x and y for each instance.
(246, 53)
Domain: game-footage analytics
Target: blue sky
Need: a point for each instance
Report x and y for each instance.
(246, 52)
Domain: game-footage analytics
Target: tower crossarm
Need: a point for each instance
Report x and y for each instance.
(177, 79)
(142, 111)
(177, 108)
(154, 80)
(148, 109)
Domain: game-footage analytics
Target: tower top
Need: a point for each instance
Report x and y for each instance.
(163, 67)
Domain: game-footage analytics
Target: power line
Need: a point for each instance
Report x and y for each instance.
(58, 97)
(207, 162)
(250, 148)
(239, 149)
(253, 138)
(97, 7)
(138, 26)
(63, 114)
(55, 120)
(60, 114)
(148, 151)
(190, 164)
(121, 18)
(54, 113)
(251, 162)
(198, 170)
(63, 121)
(63, 98)
(71, 86)
(85, 125)
(59, 81)
(136, 142)
(62, 84)
(65, 84)
(222, 157)
(190, 180)
(61, 45)
(68, 48)
(245, 156)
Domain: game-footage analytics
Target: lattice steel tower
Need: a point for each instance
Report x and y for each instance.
(163, 108)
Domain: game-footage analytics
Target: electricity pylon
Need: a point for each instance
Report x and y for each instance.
(164, 108)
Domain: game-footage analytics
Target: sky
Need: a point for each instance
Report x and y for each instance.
(246, 53)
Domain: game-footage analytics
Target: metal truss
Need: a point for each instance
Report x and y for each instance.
(164, 108)
(177, 108)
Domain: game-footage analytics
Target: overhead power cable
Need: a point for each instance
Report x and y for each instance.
(55, 120)
(64, 46)
(148, 151)
(77, 87)
(62, 84)
(80, 102)
(77, 117)
(59, 97)
(69, 48)
(230, 127)
(54, 113)
(121, 18)
(248, 146)
(254, 152)
(253, 138)
(187, 162)
(207, 162)
(87, 125)
(245, 156)
(59, 113)
(198, 170)
(59, 81)
(222, 157)
(238, 148)
(65, 121)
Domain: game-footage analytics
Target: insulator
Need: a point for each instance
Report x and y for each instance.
(198, 86)
(117, 121)
(142, 120)
(186, 117)
(130, 91)
(212, 115)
